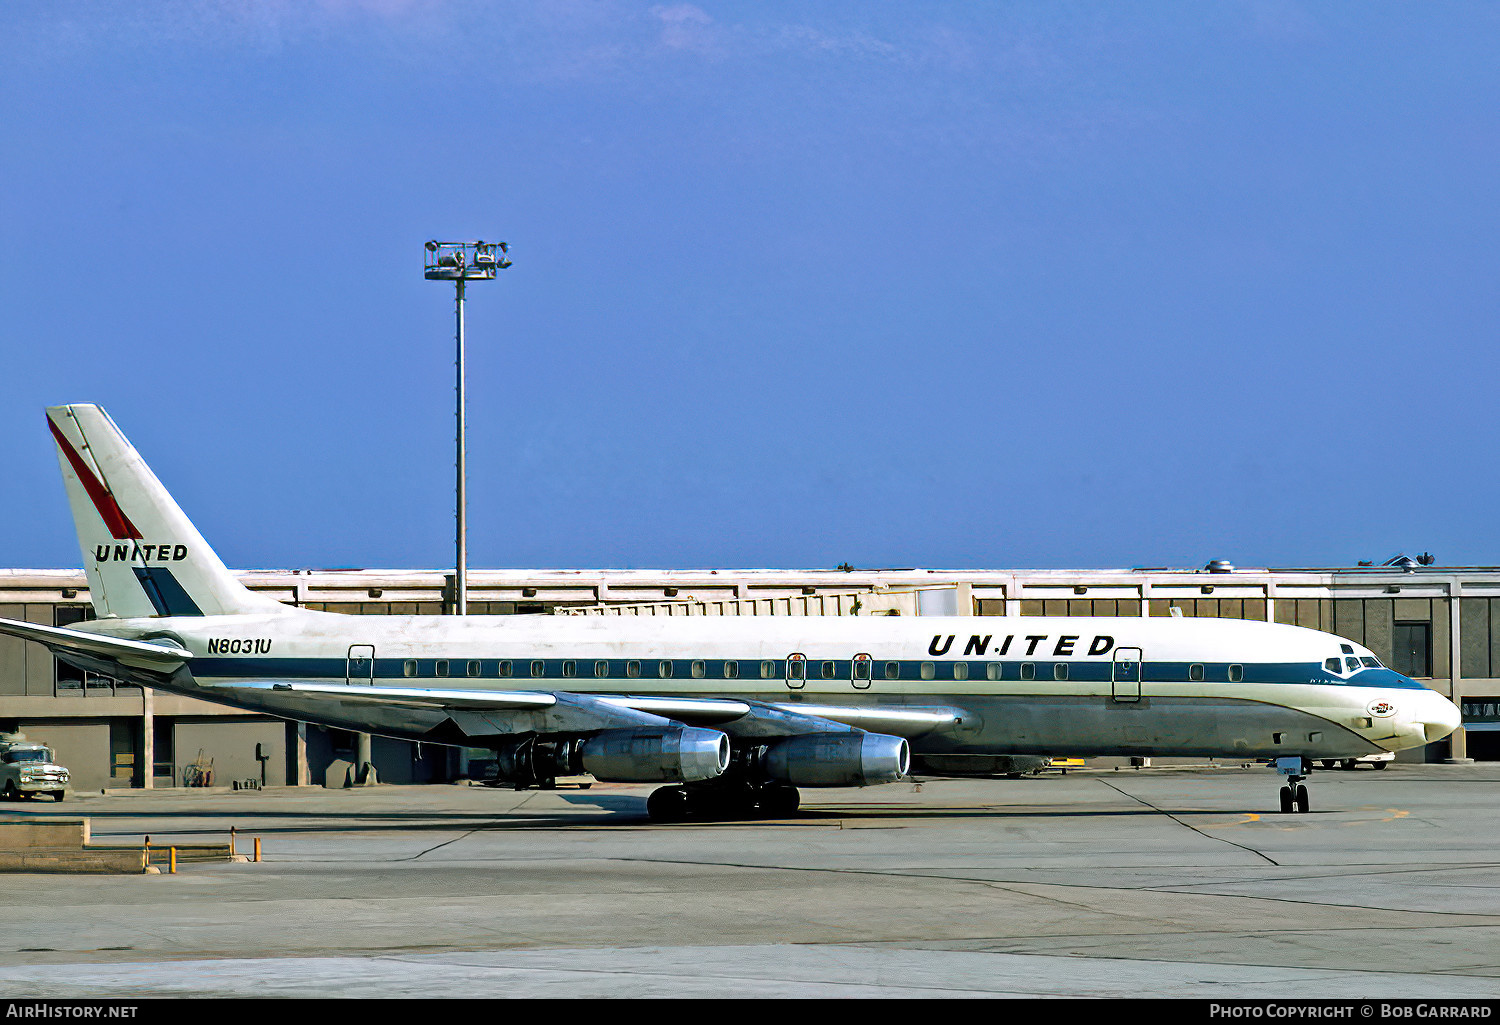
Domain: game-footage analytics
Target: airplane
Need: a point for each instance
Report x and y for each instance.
(734, 714)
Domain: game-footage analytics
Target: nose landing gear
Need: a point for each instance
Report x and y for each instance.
(1294, 794)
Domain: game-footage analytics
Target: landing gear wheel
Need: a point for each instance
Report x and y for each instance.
(1377, 765)
(669, 804)
(1349, 763)
(57, 795)
(10, 793)
(1301, 797)
(779, 802)
(1286, 800)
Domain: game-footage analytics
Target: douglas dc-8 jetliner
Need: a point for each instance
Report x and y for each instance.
(735, 713)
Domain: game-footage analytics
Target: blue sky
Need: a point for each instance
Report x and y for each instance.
(795, 284)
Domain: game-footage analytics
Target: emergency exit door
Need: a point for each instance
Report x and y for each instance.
(1125, 675)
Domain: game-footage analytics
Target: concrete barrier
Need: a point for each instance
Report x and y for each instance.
(96, 861)
(20, 834)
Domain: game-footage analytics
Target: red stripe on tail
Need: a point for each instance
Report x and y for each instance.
(114, 517)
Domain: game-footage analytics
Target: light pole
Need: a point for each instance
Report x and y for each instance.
(461, 262)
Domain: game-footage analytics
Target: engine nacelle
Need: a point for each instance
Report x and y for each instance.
(676, 755)
(838, 759)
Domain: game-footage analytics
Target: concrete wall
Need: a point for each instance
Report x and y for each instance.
(231, 745)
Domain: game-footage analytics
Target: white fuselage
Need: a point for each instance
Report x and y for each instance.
(1031, 685)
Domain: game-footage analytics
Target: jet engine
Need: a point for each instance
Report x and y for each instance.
(837, 759)
(675, 755)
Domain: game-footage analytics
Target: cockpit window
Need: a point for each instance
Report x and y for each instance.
(1352, 663)
(1370, 662)
(1333, 665)
(1347, 649)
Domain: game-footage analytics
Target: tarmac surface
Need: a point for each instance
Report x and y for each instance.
(1154, 882)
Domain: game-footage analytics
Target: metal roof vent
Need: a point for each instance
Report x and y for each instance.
(1220, 566)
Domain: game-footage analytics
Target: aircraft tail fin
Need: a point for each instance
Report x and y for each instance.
(142, 555)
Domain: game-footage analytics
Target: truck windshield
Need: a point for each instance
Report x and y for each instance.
(30, 754)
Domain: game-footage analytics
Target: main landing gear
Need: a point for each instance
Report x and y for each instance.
(1294, 794)
(723, 801)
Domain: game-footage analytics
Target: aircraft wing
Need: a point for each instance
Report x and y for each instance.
(146, 654)
(489, 712)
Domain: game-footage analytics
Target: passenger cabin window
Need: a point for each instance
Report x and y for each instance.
(699, 669)
(1333, 665)
(664, 669)
(862, 669)
(828, 670)
(1195, 671)
(960, 670)
(601, 669)
(632, 669)
(731, 670)
(442, 667)
(474, 668)
(1236, 674)
(1059, 670)
(928, 670)
(992, 671)
(767, 670)
(505, 669)
(1028, 671)
(409, 667)
(570, 668)
(538, 668)
(796, 669)
(893, 670)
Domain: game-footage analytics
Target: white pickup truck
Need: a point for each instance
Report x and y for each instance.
(27, 769)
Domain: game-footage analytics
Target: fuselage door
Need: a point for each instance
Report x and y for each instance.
(1125, 675)
(360, 666)
(861, 672)
(796, 671)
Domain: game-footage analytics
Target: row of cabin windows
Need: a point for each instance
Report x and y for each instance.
(796, 669)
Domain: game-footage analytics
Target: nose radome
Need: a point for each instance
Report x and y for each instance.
(1438, 716)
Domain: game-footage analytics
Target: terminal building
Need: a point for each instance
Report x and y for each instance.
(1439, 625)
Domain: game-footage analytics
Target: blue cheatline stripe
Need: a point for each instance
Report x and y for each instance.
(559, 673)
(165, 593)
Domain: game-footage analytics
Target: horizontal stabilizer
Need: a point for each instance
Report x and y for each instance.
(147, 653)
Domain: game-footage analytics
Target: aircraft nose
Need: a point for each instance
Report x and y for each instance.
(1438, 716)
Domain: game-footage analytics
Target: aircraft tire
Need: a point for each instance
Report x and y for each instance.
(1301, 798)
(1379, 765)
(10, 793)
(58, 795)
(668, 804)
(1286, 800)
(780, 801)
(1350, 763)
